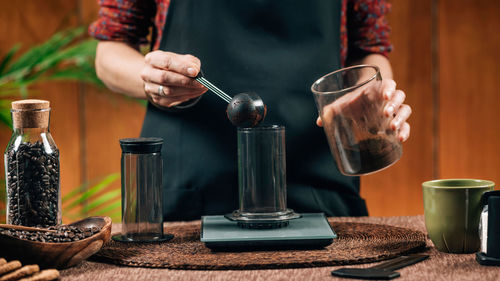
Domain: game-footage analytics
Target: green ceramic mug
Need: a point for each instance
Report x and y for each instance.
(452, 212)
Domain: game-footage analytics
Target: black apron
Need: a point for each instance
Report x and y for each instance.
(276, 48)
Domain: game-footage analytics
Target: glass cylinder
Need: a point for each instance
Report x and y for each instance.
(262, 179)
(262, 170)
(32, 167)
(351, 107)
(141, 178)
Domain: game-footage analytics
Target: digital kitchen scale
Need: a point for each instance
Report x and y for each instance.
(309, 231)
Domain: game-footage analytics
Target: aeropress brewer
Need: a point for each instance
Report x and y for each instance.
(263, 219)
(262, 179)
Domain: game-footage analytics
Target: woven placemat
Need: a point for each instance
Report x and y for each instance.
(356, 243)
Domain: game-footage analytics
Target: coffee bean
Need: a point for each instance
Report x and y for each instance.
(32, 185)
(63, 233)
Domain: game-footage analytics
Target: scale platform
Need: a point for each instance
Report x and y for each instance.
(309, 231)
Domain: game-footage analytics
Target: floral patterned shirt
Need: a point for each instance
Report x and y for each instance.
(363, 29)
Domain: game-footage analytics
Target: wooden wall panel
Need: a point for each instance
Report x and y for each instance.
(64, 123)
(469, 79)
(108, 118)
(397, 190)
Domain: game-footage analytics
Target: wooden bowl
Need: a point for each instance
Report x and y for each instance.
(56, 255)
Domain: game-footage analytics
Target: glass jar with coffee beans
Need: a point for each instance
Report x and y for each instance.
(32, 167)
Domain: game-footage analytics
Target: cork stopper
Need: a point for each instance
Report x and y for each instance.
(31, 113)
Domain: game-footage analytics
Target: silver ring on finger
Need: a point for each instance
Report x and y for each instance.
(160, 91)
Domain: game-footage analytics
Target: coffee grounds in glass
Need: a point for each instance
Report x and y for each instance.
(370, 155)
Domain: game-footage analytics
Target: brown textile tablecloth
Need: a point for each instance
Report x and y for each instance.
(440, 266)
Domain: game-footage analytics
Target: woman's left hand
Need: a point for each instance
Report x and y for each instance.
(394, 108)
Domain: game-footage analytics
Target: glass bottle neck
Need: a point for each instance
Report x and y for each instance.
(31, 131)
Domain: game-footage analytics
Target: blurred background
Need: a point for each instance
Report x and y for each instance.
(445, 58)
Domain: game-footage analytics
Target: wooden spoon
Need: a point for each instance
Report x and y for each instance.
(58, 255)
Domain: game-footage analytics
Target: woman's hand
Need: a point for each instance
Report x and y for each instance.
(357, 101)
(396, 108)
(169, 78)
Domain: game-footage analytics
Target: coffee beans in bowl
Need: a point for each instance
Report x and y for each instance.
(53, 234)
(59, 246)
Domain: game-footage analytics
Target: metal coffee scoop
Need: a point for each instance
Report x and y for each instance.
(243, 110)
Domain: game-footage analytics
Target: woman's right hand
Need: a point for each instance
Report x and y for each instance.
(175, 73)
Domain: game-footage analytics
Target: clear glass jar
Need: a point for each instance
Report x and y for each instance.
(141, 174)
(262, 179)
(351, 109)
(262, 169)
(32, 167)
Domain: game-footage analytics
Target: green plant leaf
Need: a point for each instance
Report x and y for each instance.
(42, 51)
(9, 89)
(116, 216)
(81, 198)
(76, 64)
(142, 102)
(42, 58)
(76, 53)
(6, 59)
(72, 217)
(99, 200)
(5, 117)
(24, 91)
(115, 204)
(102, 200)
(83, 73)
(80, 54)
(75, 192)
(5, 112)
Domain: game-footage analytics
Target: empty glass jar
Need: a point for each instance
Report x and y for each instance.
(141, 172)
(262, 178)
